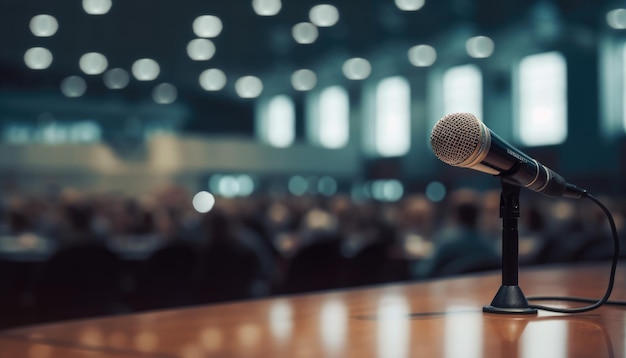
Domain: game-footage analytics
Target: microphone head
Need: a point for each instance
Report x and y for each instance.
(458, 139)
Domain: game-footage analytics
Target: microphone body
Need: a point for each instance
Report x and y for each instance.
(462, 140)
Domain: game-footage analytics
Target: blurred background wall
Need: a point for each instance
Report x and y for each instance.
(241, 90)
(157, 154)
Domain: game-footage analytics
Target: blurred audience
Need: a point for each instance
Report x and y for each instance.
(263, 245)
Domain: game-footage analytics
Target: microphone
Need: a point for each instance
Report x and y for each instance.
(462, 140)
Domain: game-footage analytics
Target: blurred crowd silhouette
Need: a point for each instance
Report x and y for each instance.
(72, 254)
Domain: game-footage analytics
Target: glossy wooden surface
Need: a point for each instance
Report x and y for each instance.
(440, 318)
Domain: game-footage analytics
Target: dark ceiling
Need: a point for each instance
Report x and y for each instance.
(248, 45)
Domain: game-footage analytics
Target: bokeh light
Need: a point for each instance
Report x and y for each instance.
(97, 7)
(146, 69)
(203, 202)
(200, 49)
(38, 58)
(165, 93)
(409, 5)
(44, 25)
(93, 63)
(617, 19)
(304, 33)
(479, 47)
(357, 68)
(212, 79)
(435, 191)
(303, 80)
(422, 55)
(73, 86)
(249, 87)
(298, 185)
(116, 78)
(266, 7)
(327, 186)
(324, 15)
(207, 26)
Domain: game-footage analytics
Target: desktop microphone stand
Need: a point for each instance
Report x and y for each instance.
(509, 299)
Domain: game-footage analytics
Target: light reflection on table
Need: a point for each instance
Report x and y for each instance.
(431, 319)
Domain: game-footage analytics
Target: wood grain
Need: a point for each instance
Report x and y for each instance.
(441, 318)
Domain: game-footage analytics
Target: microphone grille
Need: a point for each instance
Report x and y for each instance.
(456, 137)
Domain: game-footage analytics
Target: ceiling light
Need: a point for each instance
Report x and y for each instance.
(93, 63)
(617, 19)
(324, 15)
(409, 5)
(266, 7)
(97, 7)
(303, 80)
(249, 87)
(38, 58)
(203, 202)
(165, 93)
(146, 69)
(212, 79)
(357, 68)
(304, 33)
(73, 86)
(207, 26)
(479, 47)
(422, 55)
(43, 25)
(116, 78)
(200, 49)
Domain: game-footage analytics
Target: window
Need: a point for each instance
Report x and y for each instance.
(329, 118)
(392, 135)
(542, 111)
(463, 90)
(276, 122)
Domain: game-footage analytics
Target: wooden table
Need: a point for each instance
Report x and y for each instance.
(441, 318)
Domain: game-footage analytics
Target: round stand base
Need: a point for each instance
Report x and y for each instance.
(500, 310)
(509, 300)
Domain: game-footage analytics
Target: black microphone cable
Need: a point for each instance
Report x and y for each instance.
(607, 294)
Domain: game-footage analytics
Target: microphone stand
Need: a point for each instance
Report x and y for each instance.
(509, 299)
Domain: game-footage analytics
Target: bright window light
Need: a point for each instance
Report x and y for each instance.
(542, 99)
(392, 117)
(329, 120)
(277, 122)
(463, 90)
